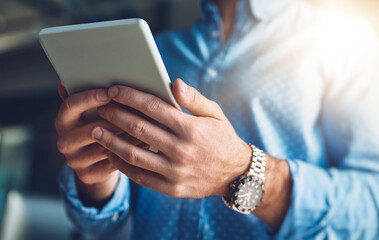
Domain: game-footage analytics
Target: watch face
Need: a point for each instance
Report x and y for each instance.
(250, 193)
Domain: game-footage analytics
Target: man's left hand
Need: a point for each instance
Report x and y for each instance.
(198, 155)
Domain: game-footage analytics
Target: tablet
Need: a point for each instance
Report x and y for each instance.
(102, 54)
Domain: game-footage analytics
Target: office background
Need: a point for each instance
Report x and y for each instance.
(29, 160)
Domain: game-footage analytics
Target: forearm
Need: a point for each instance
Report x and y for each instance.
(278, 188)
(299, 200)
(331, 202)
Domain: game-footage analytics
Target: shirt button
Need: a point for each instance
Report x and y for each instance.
(215, 34)
(212, 73)
(115, 217)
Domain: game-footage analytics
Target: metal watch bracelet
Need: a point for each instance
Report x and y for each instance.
(257, 168)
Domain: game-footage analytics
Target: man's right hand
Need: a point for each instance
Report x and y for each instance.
(96, 177)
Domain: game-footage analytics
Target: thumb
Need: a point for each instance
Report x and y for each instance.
(189, 98)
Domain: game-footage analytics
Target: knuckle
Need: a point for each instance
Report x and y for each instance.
(153, 105)
(73, 163)
(110, 113)
(176, 150)
(195, 131)
(183, 123)
(195, 96)
(177, 191)
(179, 173)
(107, 141)
(130, 157)
(86, 177)
(184, 153)
(137, 128)
(92, 95)
(125, 93)
(62, 146)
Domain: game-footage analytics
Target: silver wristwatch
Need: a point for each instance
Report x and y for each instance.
(247, 191)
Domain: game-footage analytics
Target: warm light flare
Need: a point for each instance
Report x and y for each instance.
(349, 50)
(342, 35)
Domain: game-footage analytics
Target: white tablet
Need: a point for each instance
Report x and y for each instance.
(98, 55)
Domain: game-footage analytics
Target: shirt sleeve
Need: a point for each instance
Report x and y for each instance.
(90, 220)
(341, 201)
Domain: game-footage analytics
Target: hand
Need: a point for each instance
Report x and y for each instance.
(199, 154)
(97, 178)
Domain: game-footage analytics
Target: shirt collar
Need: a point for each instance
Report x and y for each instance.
(265, 9)
(260, 9)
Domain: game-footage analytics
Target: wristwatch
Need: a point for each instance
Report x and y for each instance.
(247, 191)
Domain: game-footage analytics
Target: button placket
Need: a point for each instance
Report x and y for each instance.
(115, 217)
(212, 73)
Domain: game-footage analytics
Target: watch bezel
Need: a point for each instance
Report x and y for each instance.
(236, 186)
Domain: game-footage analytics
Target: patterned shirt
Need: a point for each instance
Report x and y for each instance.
(300, 83)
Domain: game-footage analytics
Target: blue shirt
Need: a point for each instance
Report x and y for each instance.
(300, 83)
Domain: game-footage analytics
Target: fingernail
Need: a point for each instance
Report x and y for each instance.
(183, 86)
(97, 133)
(113, 91)
(102, 95)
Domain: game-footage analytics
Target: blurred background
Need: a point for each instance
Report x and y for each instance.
(30, 207)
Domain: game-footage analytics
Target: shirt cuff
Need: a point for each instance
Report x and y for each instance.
(89, 219)
(308, 204)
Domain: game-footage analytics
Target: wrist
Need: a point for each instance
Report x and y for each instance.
(247, 191)
(97, 194)
(278, 188)
(244, 155)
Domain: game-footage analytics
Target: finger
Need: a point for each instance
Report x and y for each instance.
(96, 173)
(74, 105)
(131, 154)
(139, 127)
(192, 100)
(94, 153)
(62, 91)
(81, 136)
(149, 105)
(130, 139)
(87, 156)
(141, 176)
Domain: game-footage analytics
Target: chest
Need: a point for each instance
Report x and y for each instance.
(281, 74)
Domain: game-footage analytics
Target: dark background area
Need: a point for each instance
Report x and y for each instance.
(29, 160)
(30, 207)
(28, 95)
(28, 82)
